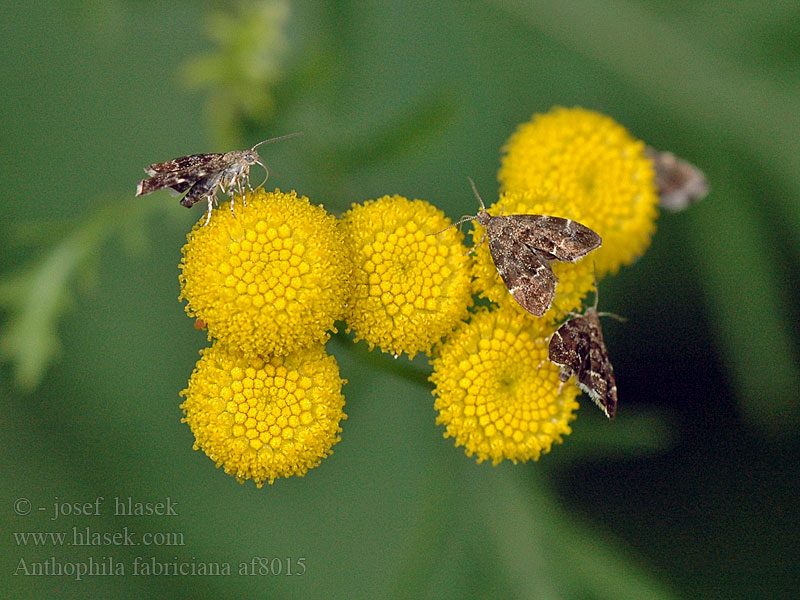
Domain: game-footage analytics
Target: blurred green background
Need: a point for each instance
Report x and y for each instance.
(691, 492)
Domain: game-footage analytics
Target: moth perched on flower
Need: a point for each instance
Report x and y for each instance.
(200, 176)
(578, 348)
(522, 247)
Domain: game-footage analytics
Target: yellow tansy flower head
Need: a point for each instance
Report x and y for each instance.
(596, 155)
(412, 283)
(272, 278)
(496, 392)
(575, 280)
(260, 418)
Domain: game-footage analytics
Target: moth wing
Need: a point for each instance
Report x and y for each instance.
(176, 181)
(565, 239)
(679, 182)
(525, 273)
(181, 173)
(193, 162)
(180, 188)
(202, 189)
(570, 344)
(596, 375)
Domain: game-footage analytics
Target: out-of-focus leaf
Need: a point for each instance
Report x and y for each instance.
(244, 67)
(549, 553)
(407, 130)
(36, 296)
(742, 281)
(636, 432)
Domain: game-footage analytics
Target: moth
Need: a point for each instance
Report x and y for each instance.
(522, 247)
(201, 176)
(680, 184)
(577, 347)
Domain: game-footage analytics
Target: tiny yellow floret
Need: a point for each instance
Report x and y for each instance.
(496, 392)
(411, 278)
(591, 152)
(269, 280)
(265, 418)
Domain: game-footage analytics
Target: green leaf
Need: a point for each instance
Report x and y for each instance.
(549, 552)
(38, 294)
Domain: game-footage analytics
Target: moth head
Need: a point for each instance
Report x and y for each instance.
(251, 157)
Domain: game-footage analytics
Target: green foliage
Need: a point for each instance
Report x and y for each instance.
(239, 74)
(37, 295)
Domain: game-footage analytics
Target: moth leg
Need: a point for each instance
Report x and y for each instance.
(249, 187)
(478, 245)
(242, 191)
(208, 216)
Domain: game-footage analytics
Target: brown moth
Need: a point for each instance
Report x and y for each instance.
(522, 247)
(200, 176)
(680, 184)
(577, 347)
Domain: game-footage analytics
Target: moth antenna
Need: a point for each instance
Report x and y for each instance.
(470, 218)
(456, 224)
(266, 170)
(596, 289)
(275, 139)
(269, 141)
(596, 299)
(477, 195)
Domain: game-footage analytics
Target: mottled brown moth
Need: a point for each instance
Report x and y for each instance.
(577, 347)
(679, 183)
(200, 176)
(522, 247)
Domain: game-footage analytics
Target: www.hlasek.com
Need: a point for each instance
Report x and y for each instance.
(108, 566)
(86, 536)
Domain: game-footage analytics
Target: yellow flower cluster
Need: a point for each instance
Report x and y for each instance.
(263, 418)
(411, 278)
(612, 178)
(270, 279)
(497, 393)
(268, 283)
